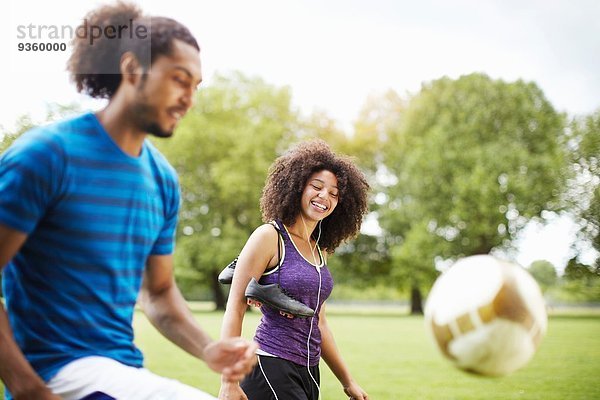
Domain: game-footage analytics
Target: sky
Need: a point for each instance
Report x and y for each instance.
(334, 54)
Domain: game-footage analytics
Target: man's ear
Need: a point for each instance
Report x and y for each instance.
(130, 68)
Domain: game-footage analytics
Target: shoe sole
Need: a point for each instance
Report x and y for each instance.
(255, 302)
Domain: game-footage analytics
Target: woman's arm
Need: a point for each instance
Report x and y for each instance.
(333, 358)
(259, 253)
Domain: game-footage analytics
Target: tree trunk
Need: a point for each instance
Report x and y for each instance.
(217, 291)
(416, 301)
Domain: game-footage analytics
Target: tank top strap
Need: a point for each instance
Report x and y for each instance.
(281, 250)
(278, 225)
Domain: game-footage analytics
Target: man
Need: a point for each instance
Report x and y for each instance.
(88, 210)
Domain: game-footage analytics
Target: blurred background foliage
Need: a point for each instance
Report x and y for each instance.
(457, 169)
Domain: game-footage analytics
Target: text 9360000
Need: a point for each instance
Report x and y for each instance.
(35, 46)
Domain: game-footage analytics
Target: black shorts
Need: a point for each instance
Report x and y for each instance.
(289, 380)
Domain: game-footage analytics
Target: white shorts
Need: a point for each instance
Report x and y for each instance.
(87, 375)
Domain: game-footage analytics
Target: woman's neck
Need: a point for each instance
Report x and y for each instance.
(302, 228)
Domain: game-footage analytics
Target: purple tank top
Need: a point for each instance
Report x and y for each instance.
(288, 338)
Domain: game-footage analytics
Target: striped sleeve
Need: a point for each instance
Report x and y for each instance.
(165, 243)
(30, 173)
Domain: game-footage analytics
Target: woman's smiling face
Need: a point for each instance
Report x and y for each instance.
(320, 195)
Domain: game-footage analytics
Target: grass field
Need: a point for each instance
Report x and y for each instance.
(392, 357)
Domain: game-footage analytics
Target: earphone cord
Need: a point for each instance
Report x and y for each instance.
(278, 255)
(312, 251)
(317, 307)
(266, 379)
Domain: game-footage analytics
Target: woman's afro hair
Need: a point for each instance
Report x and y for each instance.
(288, 176)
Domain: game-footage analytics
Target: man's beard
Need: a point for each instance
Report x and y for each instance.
(144, 117)
(155, 130)
(144, 114)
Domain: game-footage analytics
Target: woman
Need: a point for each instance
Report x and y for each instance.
(314, 200)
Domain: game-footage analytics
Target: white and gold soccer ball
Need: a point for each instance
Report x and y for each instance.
(487, 315)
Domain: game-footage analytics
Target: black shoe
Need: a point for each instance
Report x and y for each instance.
(226, 276)
(273, 295)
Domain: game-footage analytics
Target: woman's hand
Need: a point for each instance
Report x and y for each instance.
(355, 392)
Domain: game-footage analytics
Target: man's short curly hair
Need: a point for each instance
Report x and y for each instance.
(94, 67)
(288, 176)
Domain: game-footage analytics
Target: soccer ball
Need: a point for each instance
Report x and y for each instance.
(487, 315)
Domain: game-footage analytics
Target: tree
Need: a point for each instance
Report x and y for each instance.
(585, 186)
(544, 273)
(365, 261)
(362, 262)
(582, 282)
(378, 115)
(472, 160)
(24, 123)
(222, 151)
(414, 260)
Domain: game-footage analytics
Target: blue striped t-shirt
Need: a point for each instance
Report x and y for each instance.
(93, 215)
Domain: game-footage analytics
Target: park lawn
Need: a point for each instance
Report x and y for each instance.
(392, 357)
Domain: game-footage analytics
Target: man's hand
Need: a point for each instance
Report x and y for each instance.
(231, 391)
(233, 357)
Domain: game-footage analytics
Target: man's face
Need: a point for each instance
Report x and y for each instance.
(166, 92)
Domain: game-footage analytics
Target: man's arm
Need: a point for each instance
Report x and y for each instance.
(16, 373)
(167, 310)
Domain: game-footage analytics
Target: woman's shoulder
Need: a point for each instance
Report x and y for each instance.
(265, 231)
(264, 240)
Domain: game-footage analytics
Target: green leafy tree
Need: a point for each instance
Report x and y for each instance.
(581, 282)
(414, 260)
(585, 187)
(362, 262)
(361, 148)
(544, 273)
(365, 261)
(378, 115)
(23, 124)
(472, 160)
